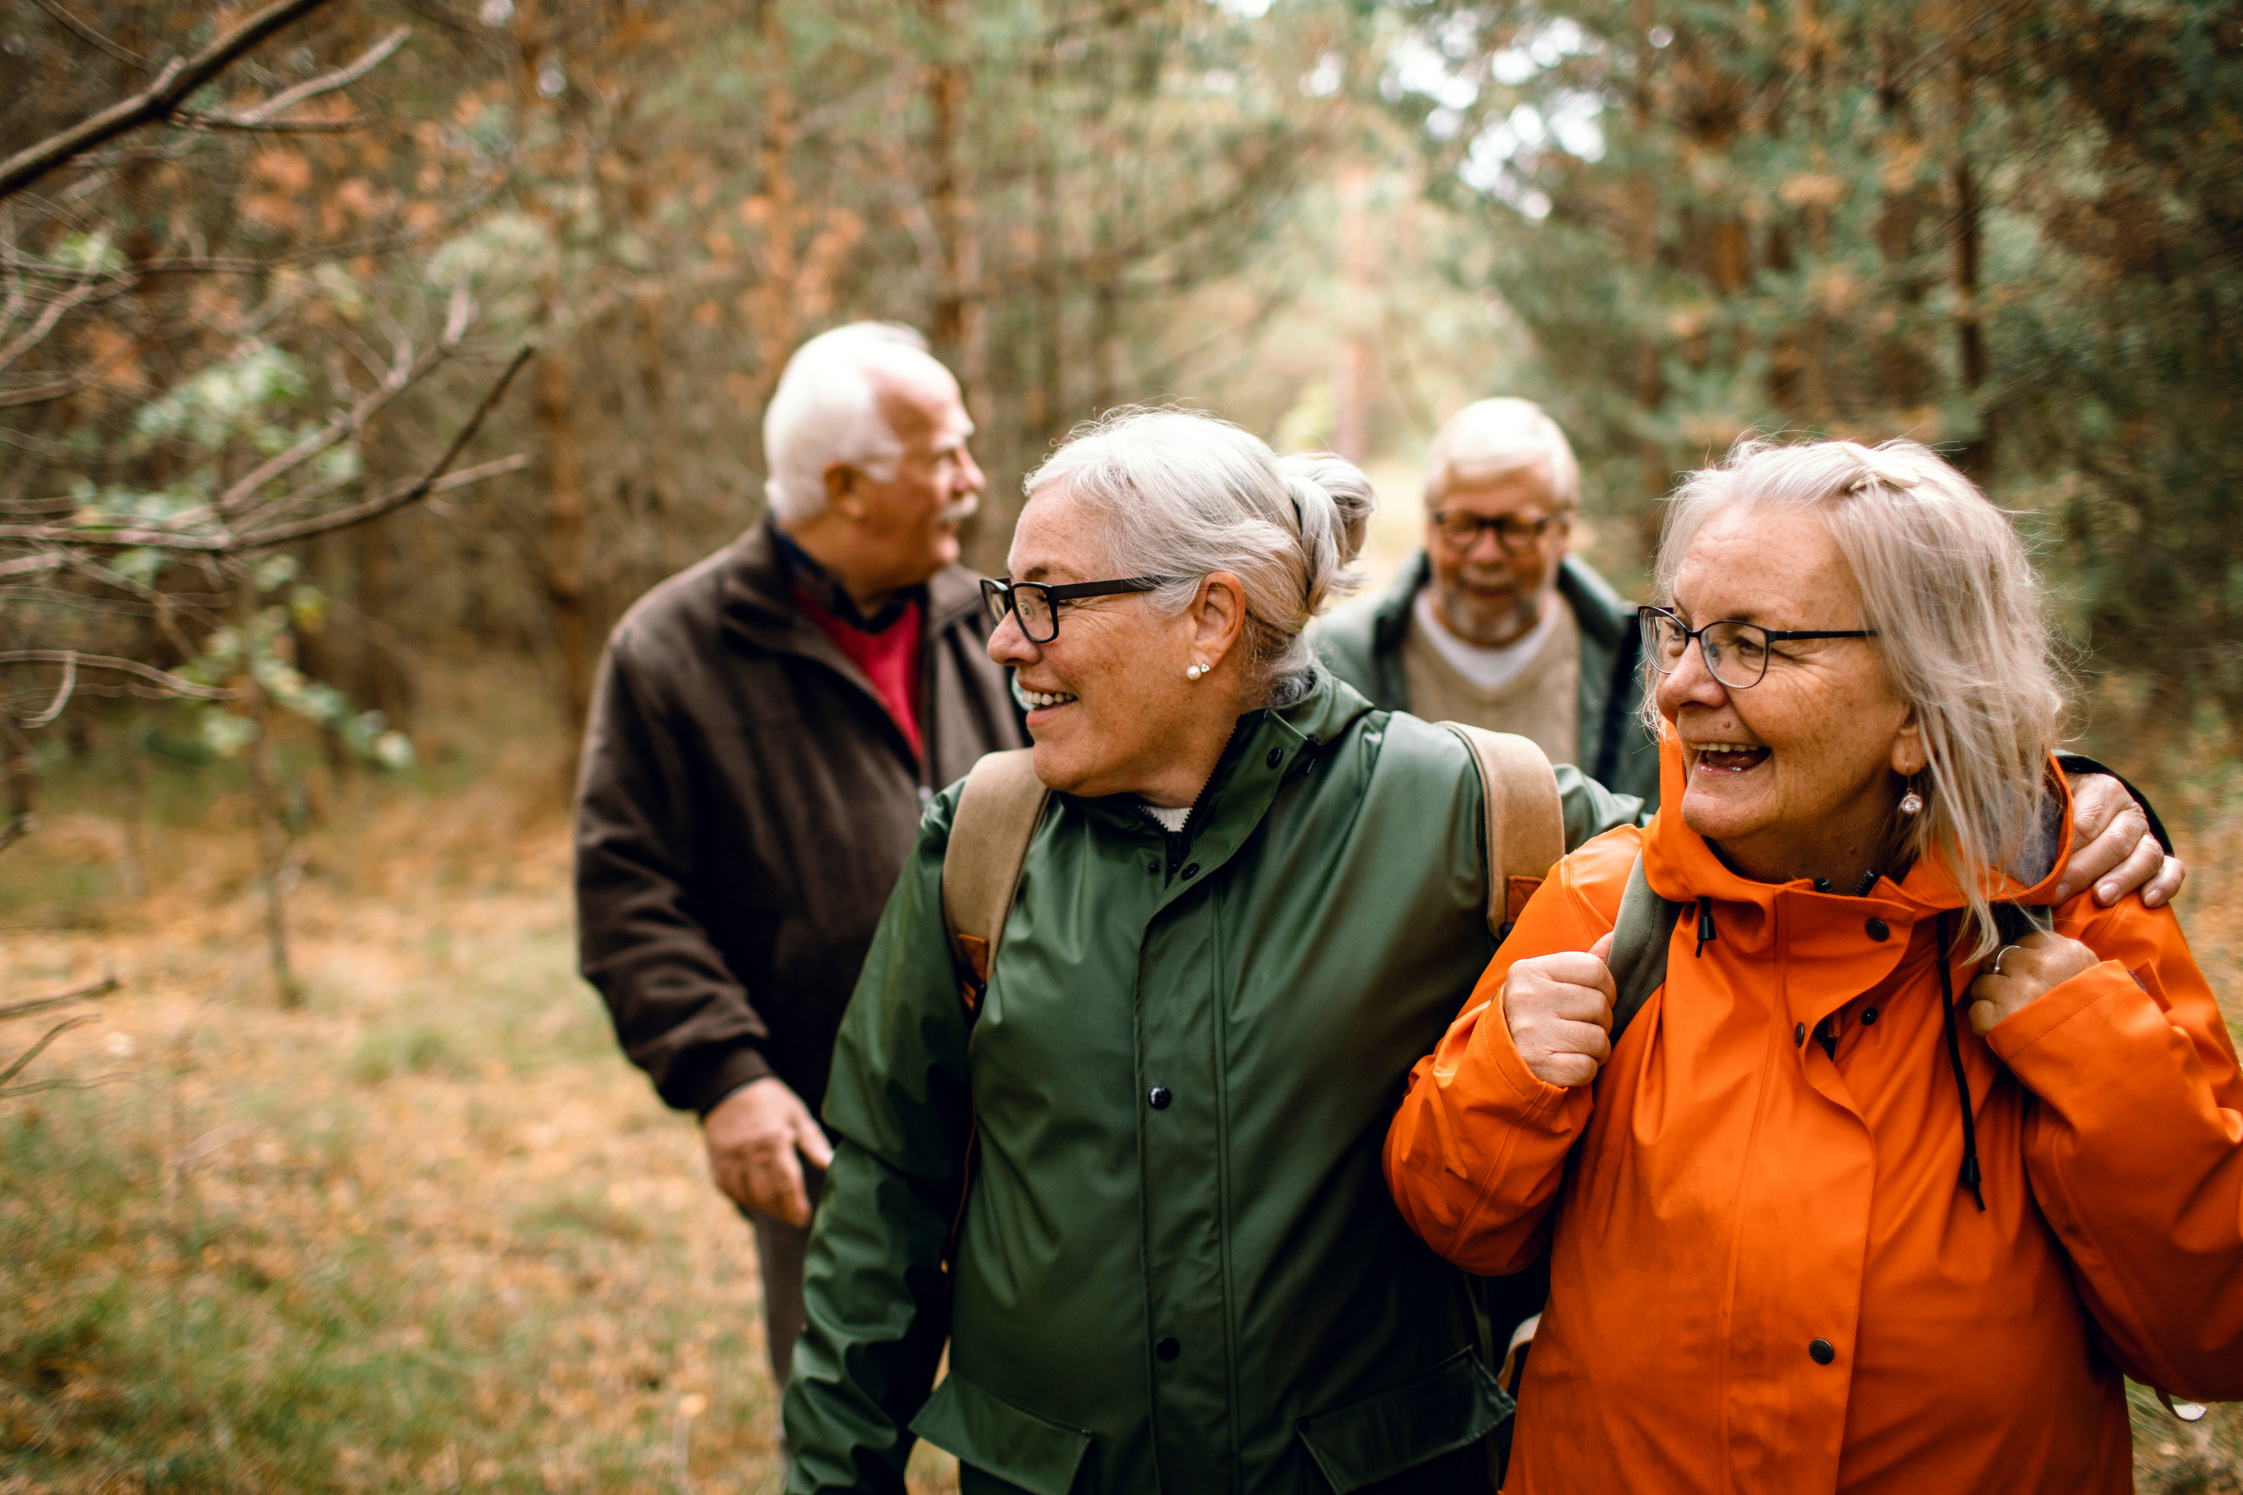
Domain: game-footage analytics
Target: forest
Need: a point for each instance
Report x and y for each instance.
(361, 361)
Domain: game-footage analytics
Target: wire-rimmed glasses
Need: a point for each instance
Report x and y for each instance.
(1736, 653)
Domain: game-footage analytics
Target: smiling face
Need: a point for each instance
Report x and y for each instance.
(1485, 593)
(1114, 713)
(1798, 775)
(906, 526)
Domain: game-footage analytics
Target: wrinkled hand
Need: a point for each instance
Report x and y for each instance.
(2112, 847)
(754, 1137)
(1560, 1011)
(2029, 969)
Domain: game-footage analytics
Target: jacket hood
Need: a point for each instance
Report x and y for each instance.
(1682, 866)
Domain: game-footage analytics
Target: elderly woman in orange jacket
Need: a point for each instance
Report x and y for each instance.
(1866, 1197)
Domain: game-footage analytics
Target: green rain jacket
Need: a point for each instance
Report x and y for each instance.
(1178, 1268)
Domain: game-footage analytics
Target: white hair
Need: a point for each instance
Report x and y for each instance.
(826, 410)
(1961, 623)
(1492, 438)
(1186, 495)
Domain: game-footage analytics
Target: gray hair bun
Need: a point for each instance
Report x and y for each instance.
(1335, 502)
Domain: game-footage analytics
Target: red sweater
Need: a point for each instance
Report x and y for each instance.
(889, 658)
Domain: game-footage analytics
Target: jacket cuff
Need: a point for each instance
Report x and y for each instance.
(734, 1072)
(1540, 1103)
(2036, 1020)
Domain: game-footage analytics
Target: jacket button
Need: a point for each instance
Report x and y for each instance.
(1879, 931)
(1798, 1035)
(1153, 867)
(1191, 870)
(1822, 1352)
(1158, 1097)
(1868, 1016)
(1276, 756)
(1169, 1349)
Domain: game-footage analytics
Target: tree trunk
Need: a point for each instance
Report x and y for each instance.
(264, 793)
(957, 330)
(567, 562)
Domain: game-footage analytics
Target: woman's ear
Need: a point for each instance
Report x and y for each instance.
(1218, 616)
(1909, 757)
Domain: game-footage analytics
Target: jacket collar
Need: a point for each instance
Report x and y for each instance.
(1391, 620)
(759, 598)
(1682, 867)
(1268, 748)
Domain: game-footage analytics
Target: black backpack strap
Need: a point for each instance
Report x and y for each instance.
(1640, 936)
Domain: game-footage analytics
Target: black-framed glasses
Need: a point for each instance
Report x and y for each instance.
(1037, 605)
(1736, 653)
(1517, 533)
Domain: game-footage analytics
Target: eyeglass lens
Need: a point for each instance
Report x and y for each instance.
(1736, 653)
(1512, 531)
(1026, 601)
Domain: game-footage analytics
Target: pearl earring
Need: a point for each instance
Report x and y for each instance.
(1195, 671)
(1911, 803)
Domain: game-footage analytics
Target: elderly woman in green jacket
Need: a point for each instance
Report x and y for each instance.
(1251, 905)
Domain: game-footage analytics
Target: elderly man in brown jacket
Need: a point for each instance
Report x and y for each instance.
(767, 727)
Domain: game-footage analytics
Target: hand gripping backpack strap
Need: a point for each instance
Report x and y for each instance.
(1641, 934)
(1525, 821)
(998, 812)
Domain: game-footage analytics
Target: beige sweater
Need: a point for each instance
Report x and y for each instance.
(1541, 703)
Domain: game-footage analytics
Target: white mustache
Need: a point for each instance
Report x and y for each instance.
(959, 510)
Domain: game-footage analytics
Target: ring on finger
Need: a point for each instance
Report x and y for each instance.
(1998, 954)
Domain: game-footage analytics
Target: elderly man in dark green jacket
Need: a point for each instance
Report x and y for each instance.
(1493, 623)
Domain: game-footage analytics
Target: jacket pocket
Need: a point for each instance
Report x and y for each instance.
(989, 1433)
(1454, 1404)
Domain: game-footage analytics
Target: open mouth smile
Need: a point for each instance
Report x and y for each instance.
(1729, 757)
(1040, 703)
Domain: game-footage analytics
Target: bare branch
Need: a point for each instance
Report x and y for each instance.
(429, 481)
(38, 1048)
(273, 127)
(62, 694)
(32, 565)
(117, 539)
(159, 100)
(341, 77)
(89, 35)
(40, 394)
(101, 988)
(175, 684)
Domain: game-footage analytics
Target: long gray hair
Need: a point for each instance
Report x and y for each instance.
(1961, 622)
(1185, 495)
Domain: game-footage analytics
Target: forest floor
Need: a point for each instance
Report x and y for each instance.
(425, 1230)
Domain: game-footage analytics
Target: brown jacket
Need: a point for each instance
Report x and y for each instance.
(745, 805)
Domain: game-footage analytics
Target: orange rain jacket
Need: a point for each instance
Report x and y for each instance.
(1728, 1196)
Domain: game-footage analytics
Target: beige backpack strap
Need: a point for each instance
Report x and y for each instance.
(1526, 823)
(998, 812)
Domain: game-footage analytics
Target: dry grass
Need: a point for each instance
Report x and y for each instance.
(429, 1231)
(426, 1232)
